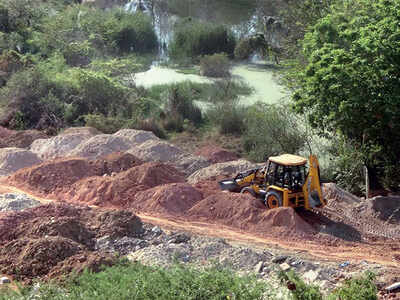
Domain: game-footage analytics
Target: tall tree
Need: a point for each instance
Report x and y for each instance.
(351, 80)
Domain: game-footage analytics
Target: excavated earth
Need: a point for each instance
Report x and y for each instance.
(164, 185)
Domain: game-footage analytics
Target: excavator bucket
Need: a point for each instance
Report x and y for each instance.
(229, 185)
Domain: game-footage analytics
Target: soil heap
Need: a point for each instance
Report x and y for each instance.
(215, 154)
(81, 130)
(136, 137)
(247, 213)
(226, 169)
(58, 146)
(57, 176)
(100, 145)
(120, 190)
(156, 150)
(22, 139)
(5, 132)
(169, 199)
(54, 239)
(13, 159)
(16, 202)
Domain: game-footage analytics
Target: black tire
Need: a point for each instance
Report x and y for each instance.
(248, 190)
(273, 199)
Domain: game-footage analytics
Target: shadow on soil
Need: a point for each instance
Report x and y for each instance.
(337, 229)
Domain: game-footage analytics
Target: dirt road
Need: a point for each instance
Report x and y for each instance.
(384, 253)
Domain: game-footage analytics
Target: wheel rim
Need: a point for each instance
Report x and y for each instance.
(272, 201)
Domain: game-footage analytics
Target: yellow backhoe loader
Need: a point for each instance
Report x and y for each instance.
(285, 180)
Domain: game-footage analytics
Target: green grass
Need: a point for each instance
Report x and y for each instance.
(128, 280)
(135, 281)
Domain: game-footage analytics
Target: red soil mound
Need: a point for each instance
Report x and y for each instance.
(58, 175)
(168, 199)
(55, 238)
(5, 132)
(216, 154)
(22, 139)
(116, 162)
(210, 186)
(119, 191)
(247, 213)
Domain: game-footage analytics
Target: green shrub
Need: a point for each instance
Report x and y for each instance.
(271, 130)
(135, 281)
(103, 123)
(228, 117)
(362, 288)
(300, 290)
(149, 125)
(216, 65)
(243, 49)
(83, 33)
(193, 39)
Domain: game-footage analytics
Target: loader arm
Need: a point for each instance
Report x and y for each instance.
(312, 186)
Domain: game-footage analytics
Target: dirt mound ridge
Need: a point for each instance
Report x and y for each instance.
(116, 162)
(81, 130)
(13, 159)
(227, 169)
(168, 199)
(385, 208)
(22, 139)
(58, 175)
(5, 132)
(136, 137)
(100, 145)
(216, 154)
(53, 238)
(120, 190)
(58, 146)
(247, 213)
(156, 150)
(49, 177)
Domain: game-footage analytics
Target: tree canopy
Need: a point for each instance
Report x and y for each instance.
(350, 83)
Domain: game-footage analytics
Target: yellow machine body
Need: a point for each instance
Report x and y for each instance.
(264, 183)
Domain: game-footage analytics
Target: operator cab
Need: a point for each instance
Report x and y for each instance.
(287, 171)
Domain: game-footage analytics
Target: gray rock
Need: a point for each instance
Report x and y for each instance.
(258, 268)
(156, 230)
(311, 275)
(393, 287)
(279, 259)
(4, 280)
(284, 267)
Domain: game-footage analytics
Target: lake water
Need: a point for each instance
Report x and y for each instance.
(243, 16)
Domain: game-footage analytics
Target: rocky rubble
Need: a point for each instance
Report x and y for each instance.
(13, 159)
(16, 202)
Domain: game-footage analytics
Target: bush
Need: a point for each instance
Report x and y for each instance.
(193, 39)
(103, 123)
(301, 290)
(228, 116)
(362, 288)
(271, 130)
(135, 281)
(216, 65)
(243, 49)
(83, 33)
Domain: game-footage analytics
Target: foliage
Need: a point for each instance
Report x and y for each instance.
(247, 46)
(347, 166)
(362, 288)
(228, 116)
(135, 281)
(193, 39)
(83, 33)
(350, 83)
(271, 130)
(103, 123)
(301, 290)
(216, 65)
(180, 106)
